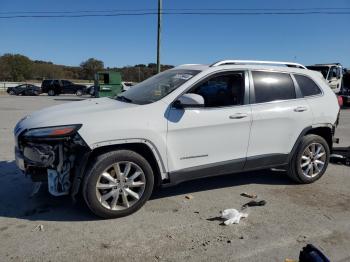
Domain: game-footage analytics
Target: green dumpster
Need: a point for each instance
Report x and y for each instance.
(108, 83)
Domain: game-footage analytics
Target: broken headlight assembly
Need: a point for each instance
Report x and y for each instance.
(52, 132)
(50, 154)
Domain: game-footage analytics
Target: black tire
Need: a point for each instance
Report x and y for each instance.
(295, 171)
(51, 92)
(12, 93)
(79, 92)
(92, 177)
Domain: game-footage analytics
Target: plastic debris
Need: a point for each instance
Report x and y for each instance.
(39, 228)
(254, 204)
(232, 216)
(310, 253)
(189, 197)
(244, 194)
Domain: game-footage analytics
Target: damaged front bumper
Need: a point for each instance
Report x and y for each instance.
(52, 157)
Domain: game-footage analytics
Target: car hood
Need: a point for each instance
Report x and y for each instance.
(80, 112)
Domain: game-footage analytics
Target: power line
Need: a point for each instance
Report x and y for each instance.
(175, 9)
(179, 13)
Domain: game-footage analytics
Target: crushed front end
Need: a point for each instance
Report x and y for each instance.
(52, 155)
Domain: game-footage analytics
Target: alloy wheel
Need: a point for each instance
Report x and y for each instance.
(120, 186)
(313, 160)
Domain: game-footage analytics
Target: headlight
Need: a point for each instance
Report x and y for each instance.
(53, 131)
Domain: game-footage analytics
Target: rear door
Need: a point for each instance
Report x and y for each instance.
(279, 114)
(67, 87)
(215, 135)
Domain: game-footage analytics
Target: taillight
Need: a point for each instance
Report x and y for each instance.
(340, 101)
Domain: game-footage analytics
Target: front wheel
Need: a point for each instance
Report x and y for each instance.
(12, 93)
(51, 92)
(310, 160)
(118, 184)
(79, 92)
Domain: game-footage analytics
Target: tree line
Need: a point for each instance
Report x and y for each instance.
(17, 67)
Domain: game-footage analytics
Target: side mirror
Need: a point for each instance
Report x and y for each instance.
(189, 100)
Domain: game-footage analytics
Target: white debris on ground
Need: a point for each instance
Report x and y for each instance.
(232, 216)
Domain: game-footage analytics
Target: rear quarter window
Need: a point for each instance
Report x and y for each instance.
(271, 86)
(307, 86)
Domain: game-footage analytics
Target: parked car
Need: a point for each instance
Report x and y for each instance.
(55, 87)
(162, 131)
(24, 90)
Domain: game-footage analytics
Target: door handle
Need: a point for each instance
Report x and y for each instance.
(238, 116)
(300, 109)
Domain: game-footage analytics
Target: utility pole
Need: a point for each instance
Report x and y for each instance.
(158, 34)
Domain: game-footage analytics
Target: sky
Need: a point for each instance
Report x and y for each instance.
(130, 40)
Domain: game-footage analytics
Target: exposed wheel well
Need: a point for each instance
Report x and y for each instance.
(139, 148)
(325, 132)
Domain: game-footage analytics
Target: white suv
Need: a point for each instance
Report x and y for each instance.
(189, 122)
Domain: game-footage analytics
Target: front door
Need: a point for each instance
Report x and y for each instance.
(216, 135)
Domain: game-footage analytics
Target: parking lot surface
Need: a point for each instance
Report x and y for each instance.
(171, 226)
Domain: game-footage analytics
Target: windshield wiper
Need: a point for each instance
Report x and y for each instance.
(124, 99)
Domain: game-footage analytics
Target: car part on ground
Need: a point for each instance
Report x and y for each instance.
(254, 203)
(310, 253)
(341, 155)
(189, 122)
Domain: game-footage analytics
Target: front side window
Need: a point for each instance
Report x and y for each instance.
(157, 87)
(222, 90)
(270, 86)
(307, 86)
(66, 82)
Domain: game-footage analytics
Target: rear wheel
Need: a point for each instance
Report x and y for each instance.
(310, 160)
(51, 92)
(118, 184)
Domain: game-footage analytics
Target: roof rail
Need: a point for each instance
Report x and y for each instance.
(189, 64)
(233, 62)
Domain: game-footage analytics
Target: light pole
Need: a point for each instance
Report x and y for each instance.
(158, 33)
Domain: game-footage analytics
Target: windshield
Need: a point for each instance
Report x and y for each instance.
(322, 69)
(157, 87)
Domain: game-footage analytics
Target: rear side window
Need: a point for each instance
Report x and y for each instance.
(307, 86)
(270, 86)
